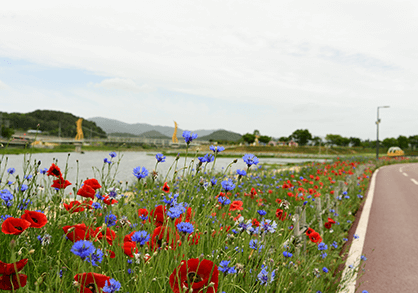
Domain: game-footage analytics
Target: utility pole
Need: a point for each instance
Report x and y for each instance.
(59, 130)
(377, 131)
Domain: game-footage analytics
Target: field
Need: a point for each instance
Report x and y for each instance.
(190, 230)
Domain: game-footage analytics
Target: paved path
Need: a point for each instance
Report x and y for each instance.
(391, 242)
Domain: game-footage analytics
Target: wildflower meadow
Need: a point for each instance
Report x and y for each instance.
(190, 230)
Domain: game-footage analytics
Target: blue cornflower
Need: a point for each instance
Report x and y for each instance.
(138, 173)
(334, 244)
(356, 236)
(224, 200)
(324, 255)
(43, 171)
(363, 258)
(216, 149)
(27, 177)
(83, 248)
(110, 220)
(213, 181)
(322, 246)
(188, 136)
(129, 271)
(287, 254)
(250, 159)
(6, 195)
(141, 237)
(345, 239)
(225, 268)
(160, 158)
(112, 154)
(254, 245)
(325, 270)
(23, 188)
(261, 212)
(111, 286)
(174, 212)
(268, 226)
(185, 227)
(11, 170)
(208, 158)
(228, 185)
(241, 172)
(96, 257)
(107, 161)
(24, 204)
(265, 277)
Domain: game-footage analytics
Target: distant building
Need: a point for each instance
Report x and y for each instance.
(34, 131)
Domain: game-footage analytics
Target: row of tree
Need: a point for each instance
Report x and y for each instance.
(304, 137)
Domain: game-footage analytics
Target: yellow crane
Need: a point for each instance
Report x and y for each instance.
(174, 139)
(80, 135)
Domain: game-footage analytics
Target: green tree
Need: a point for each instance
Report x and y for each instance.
(248, 137)
(403, 142)
(317, 141)
(301, 136)
(284, 138)
(413, 140)
(389, 142)
(7, 132)
(334, 139)
(355, 141)
(264, 139)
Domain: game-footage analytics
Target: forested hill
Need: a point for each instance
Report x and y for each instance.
(49, 122)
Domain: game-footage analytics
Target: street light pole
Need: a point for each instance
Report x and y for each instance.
(377, 131)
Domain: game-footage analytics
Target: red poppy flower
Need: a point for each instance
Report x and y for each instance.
(110, 235)
(166, 188)
(278, 200)
(195, 275)
(142, 213)
(60, 183)
(14, 226)
(236, 205)
(80, 232)
(86, 191)
(309, 231)
(331, 221)
(281, 215)
(91, 282)
(93, 183)
(12, 282)
(315, 237)
(129, 248)
(158, 215)
(164, 234)
(12, 268)
(109, 201)
(327, 225)
(255, 222)
(74, 207)
(54, 170)
(36, 219)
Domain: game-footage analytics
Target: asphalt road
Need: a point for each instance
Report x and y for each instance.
(391, 242)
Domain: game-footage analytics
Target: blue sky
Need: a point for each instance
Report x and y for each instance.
(275, 66)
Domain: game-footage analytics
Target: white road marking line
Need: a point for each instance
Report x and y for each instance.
(400, 169)
(413, 180)
(354, 255)
(404, 174)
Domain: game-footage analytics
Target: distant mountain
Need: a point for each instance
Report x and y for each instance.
(52, 123)
(122, 134)
(154, 134)
(111, 126)
(221, 135)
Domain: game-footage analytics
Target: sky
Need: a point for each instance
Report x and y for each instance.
(274, 66)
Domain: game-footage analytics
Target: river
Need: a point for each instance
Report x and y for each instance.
(128, 161)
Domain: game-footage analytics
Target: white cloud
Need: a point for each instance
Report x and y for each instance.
(335, 59)
(123, 84)
(3, 86)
